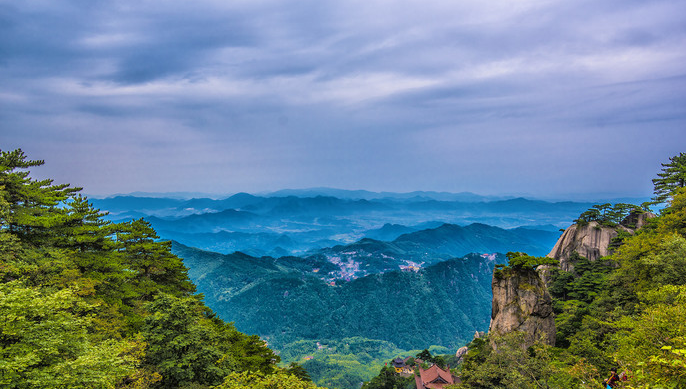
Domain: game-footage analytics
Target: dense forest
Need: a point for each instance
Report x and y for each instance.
(87, 303)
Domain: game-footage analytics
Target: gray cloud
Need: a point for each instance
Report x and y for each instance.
(491, 97)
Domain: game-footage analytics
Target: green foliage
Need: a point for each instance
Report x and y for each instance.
(91, 304)
(33, 205)
(389, 379)
(672, 177)
(424, 355)
(279, 380)
(155, 267)
(45, 342)
(508, 365)
(652, 345)
(183, 345)
(607, 214)
(521, 261)
(298, 371)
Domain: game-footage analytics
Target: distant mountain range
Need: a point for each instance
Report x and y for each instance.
(413, 270)
(405, 271)
(597, 198)
(291, 225)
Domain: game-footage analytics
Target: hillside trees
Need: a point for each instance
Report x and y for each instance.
(389, 379)
(91, 304)
(45, 342)
(626, 310)
(511, 366)
(155, 267)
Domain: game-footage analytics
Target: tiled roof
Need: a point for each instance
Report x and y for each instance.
(433, 378)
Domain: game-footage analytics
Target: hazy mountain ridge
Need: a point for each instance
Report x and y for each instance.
(291, 225)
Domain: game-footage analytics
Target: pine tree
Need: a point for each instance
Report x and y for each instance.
(672, 177)
(33, 205)
(155, 267)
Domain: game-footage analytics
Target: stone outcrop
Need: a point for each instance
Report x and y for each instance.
(521, 302)
(592, 240)
(461, 352)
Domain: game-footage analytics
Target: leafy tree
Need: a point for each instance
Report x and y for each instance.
(673, 218)
(672, 177)
(298, 371)
(187, 345)
(389, 379)
(33, 204)
(652, 345)
(83, 227)
(183, 345)
(425, 356)
(608, 214)
(587, 216)
(508, 366)
(278, 380)
(45, 342)
(519, 261)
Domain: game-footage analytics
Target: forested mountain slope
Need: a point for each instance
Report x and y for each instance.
(442, 304)
(86, 303)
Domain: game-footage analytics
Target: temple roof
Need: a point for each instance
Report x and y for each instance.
(433, 378)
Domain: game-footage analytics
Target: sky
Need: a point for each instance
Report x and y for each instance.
(550, 98)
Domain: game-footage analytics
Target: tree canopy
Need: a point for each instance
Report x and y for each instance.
(87, 303)
(671, 178)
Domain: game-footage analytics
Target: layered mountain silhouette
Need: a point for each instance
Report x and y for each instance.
(285, 224)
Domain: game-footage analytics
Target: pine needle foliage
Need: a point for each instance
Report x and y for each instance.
(91, 304)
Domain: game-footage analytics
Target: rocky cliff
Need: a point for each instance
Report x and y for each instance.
(521, 302)
(593, 240)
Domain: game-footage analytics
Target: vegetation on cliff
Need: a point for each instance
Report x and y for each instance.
(626, 310)
(91, 304)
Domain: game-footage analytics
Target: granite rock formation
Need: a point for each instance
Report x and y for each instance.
(521, 302)
(592, 240)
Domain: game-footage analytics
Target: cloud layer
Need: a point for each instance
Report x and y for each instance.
(541, 97)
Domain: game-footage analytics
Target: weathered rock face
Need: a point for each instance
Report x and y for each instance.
(593, 240)
(521, 302)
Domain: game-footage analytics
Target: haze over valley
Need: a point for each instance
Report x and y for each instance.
(315, 271)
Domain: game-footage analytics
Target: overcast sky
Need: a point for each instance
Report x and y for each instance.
(548, 98)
